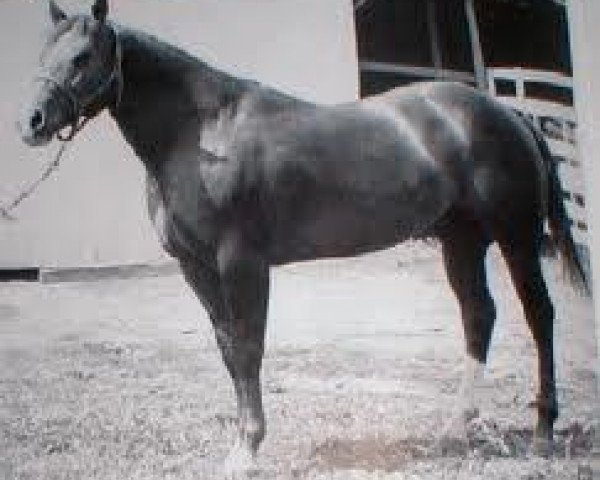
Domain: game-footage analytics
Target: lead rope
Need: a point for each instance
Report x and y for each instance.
(33, 186)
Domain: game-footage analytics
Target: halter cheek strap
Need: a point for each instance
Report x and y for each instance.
(79, 108)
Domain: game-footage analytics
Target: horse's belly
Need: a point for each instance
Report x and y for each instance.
(352, 224)
(342, 232)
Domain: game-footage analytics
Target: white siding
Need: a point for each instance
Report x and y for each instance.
(584, 18)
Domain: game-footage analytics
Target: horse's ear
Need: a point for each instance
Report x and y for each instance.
(56, 13)
(100, 10)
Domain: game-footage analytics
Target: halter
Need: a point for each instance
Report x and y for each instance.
(78, 107)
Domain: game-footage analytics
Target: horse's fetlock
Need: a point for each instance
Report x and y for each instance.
(547, 407)
(254, 431)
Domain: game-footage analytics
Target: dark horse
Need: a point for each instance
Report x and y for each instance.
(241, 177)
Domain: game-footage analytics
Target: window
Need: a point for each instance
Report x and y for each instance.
(400, 41)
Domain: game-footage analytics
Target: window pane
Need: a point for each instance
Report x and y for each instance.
(394, 31)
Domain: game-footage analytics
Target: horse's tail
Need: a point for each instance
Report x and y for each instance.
(558, 219)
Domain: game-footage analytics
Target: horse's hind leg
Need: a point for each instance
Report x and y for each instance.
(521, 251)
(464, 248)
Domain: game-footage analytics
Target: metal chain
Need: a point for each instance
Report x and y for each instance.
(33, 186)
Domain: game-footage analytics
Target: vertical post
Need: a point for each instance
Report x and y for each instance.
(583, 16)
(478, 61)
(434, 39)
(520, 87)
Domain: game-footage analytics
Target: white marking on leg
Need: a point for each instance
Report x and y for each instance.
(240, 462)
(471, 381)
(481, 434)
(464, 412)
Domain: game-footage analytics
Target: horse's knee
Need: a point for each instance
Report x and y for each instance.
(241, 354)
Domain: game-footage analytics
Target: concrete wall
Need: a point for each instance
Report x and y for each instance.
(92, 211)
(584, 18)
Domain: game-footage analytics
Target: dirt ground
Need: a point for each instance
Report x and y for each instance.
(121, 379)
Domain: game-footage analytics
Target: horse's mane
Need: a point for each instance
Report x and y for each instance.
(155, 46)
(162, 59)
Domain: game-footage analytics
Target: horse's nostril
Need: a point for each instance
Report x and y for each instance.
(37, 120)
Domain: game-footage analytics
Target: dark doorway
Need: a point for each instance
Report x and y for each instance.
(19, 274)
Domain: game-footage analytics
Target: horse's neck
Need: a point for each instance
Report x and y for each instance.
(167, 96)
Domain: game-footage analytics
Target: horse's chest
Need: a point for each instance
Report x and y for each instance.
(159, 219)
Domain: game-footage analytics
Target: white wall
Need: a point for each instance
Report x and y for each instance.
(584, 18)
(92, 211)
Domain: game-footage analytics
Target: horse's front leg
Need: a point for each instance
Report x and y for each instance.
(235, 294)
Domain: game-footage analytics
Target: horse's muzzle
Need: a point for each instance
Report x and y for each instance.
(33, 127)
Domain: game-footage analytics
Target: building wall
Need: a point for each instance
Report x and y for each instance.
(92, 211)
(584, 18)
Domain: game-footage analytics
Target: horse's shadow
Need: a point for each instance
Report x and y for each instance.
(482, 439)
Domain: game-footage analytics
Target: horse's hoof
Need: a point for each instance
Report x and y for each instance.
(485, 437)
(456, 426)
(469, 414)
(447, 445)
(240, 464)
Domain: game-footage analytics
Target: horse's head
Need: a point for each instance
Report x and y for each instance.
(79, 75)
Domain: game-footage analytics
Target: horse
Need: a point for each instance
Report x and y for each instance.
(242, 177)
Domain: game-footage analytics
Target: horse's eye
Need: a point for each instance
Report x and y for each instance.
(82, 59)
